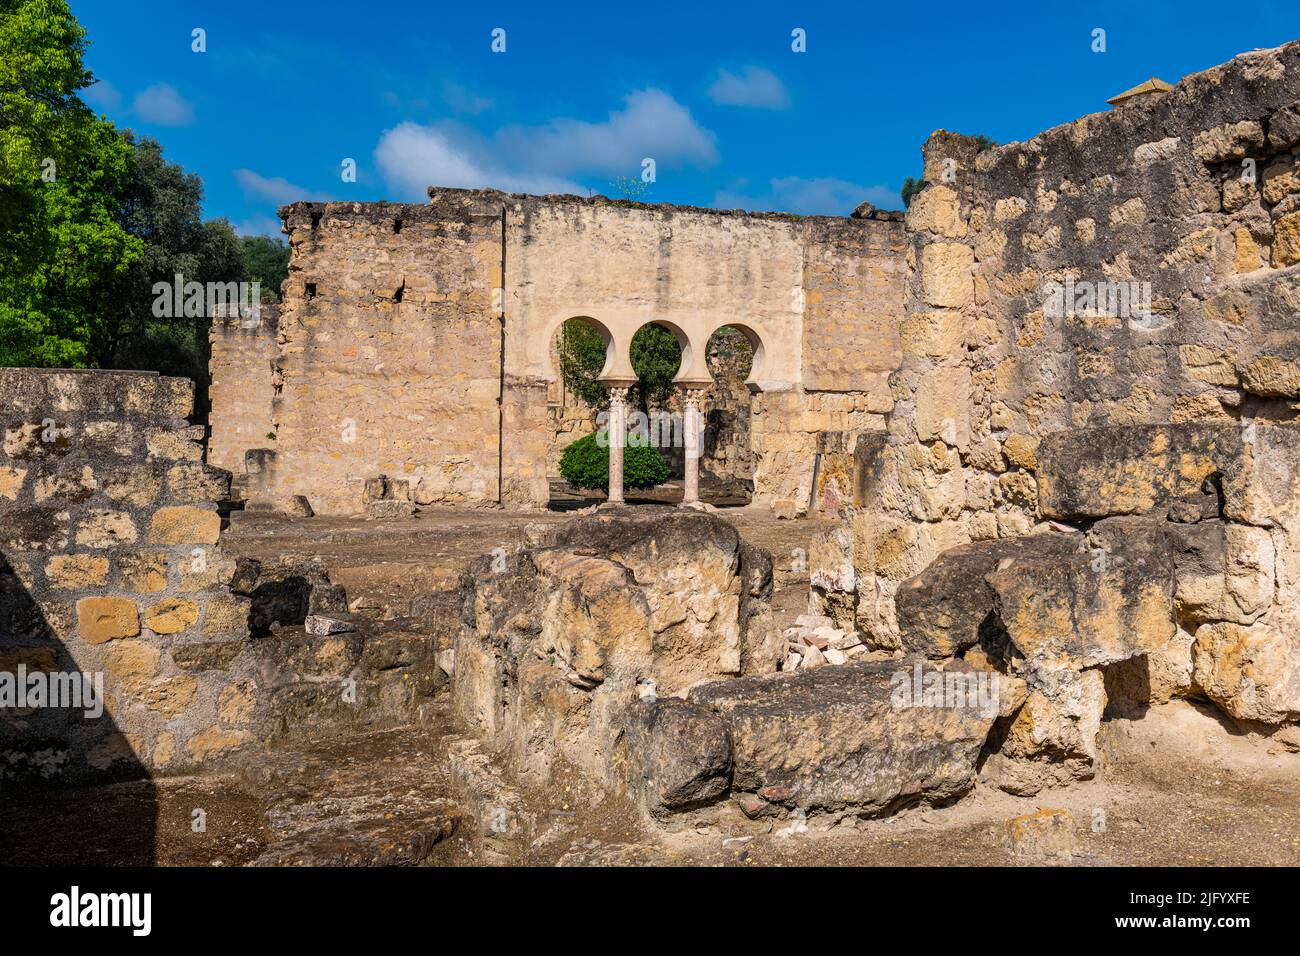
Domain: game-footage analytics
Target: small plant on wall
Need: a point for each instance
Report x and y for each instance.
(585, 464)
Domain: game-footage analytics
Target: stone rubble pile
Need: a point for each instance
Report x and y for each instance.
(814, 640)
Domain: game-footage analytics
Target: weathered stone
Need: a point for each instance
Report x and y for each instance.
(106, 529)
(101, 619)
(319, 625)
(215, 655)
(75, 572)
(183, 524)
(949, 607)
(1076, 611)
(679, 752)
(1286, 240)
(1229, 141)
(1046, 834)
(843, 738)
(143, 571)
(171, 615)
(946, 269)
(1052, 740)
(1252, 673)
(1095, 472)
(215, 741)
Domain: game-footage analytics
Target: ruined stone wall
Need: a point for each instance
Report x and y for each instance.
(852, 283)
(242, 366)
(390, 352)
(109, 566)
(415, 341)
(1194, 194)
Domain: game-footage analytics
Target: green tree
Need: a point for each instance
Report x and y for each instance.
(162, 207)
(266, 260)
(582, 356)
(655, 353)
(656, 357)
(61, 168)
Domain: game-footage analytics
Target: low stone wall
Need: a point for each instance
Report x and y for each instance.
(111, 570)
(109, 566)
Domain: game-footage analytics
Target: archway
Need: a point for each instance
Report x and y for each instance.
(727, 463)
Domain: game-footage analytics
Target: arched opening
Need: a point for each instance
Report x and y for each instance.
(580, 351)
(727, 462)
(658, 351)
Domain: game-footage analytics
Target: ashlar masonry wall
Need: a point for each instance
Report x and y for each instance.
(1190, 199)
(109, 566)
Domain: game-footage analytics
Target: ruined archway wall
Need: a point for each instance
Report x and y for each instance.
(389, 352)
(1152, 193)
(822, 294)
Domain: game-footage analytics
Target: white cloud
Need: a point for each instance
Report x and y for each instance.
(161, 105)
(275, 188)
(546, 157)
(412, 158)
(820, 196)
(258, 226)
(103, 94)
(753, 86)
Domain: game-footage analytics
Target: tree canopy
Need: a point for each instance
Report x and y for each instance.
(91, 217)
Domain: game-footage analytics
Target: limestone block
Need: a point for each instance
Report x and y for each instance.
(946, 274)
(102, 619)
(854, 736)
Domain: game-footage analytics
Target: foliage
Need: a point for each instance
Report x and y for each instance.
(62, 246)
(631, 188)
(161, 206)
(582, 356)
(585, 464)
(656, 357)
(910, 188)
(266, 260)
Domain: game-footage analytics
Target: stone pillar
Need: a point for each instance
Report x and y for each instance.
(617, 434)
(693, 429)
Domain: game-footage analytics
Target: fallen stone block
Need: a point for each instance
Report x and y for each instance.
(679, 754)
(1252, 673)
(849, 738)
(948, 607)
(318, 625)
(1075, 611)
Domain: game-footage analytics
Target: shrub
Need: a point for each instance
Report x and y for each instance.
(585, 464)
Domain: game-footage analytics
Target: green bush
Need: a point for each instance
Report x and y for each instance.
(585, 464)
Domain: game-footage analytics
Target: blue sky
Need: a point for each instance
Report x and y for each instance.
(714, 93)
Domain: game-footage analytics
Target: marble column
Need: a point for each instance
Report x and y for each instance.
(617, 435)
(693, 433)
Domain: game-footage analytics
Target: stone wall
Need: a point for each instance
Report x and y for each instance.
(109, 566)
(415, 341)
(1161, 439)
(242, 366)
(389, 352)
